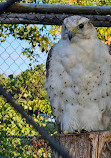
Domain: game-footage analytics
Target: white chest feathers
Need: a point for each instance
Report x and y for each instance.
(79, 85)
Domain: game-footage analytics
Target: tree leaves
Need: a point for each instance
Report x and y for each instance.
(27, 89)
(104, 34)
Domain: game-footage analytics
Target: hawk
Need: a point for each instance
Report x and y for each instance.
(78, 78)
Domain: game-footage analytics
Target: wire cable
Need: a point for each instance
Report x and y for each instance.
(55, 145)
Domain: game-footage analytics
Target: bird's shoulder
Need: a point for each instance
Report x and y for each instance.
(104, 47)
(55, 49)
(49, 58)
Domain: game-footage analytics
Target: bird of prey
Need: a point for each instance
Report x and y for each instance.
(78, 78)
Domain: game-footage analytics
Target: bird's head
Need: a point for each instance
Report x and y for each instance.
(77, 27)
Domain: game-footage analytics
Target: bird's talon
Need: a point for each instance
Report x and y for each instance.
(80, 131)
(83, 131)
(65, 132)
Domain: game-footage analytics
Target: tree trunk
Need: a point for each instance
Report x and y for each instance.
(88, 145)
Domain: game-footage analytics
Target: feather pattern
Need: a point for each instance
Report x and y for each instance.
(78, 79)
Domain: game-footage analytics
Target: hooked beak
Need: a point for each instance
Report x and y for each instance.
(71, 34)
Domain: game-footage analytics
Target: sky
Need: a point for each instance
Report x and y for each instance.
(12, 61)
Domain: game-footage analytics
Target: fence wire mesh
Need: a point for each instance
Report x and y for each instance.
(23, 53)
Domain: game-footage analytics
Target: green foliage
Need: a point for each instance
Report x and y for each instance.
(24, 148)
(79, 2)
(104, 34)
(11, 147)
(27, 89)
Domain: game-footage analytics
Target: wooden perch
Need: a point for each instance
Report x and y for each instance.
(89, 145)
(60, 9)
(49, 19)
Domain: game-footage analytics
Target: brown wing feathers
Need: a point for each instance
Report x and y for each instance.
(48, 61)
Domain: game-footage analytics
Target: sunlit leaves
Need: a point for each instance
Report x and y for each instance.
(27, 89)
(104, 34)
(78, 2)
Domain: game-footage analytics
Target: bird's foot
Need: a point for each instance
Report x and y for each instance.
(80, 131)
(75, 132)
(66, 132)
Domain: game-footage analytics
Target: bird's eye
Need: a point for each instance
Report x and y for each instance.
(81, 26)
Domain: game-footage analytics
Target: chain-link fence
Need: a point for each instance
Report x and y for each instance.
(23, 53)
(25, 74)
